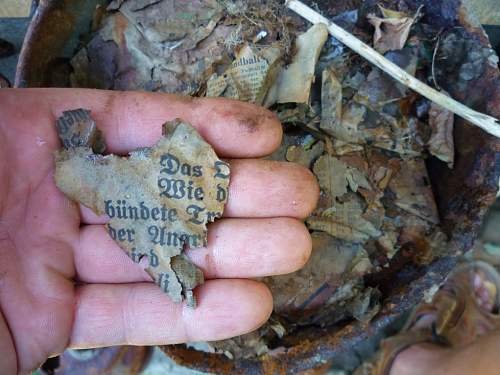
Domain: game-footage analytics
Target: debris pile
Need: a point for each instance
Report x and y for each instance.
(365, 136)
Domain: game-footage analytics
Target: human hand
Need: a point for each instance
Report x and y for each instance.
(65, 283)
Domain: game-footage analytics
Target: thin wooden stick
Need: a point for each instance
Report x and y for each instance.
(485, 122)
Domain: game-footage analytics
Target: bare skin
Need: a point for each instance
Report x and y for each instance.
(64, 283)
(481, 357)
(477, 357)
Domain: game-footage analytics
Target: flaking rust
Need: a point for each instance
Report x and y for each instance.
(158, 199)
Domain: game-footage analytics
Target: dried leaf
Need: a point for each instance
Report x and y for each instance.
(379, 90)
(331, 102)
(299, 155)
(331, 173)
(382, 168)
(294, 83)
(388, 243)
(397, 135)
(250, 345)
(391, 33)
(357, 179)
(334, 176)
(441, 143)
(344, 221)
(413, 190)
(158, 199)
(367, 305)
(348, 130)
(340, 148)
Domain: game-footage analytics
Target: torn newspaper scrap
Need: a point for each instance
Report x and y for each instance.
(158, 199)
(249, 76)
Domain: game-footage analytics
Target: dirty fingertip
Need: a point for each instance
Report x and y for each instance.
(261, 120)
(242, 129)
(233, 307)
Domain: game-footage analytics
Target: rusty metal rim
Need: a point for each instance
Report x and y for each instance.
(41, 12)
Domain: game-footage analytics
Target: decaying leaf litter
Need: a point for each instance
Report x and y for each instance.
(364, 136)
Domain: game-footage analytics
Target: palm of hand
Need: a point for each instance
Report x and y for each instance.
(63, 282)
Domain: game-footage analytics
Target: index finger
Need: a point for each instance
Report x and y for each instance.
(130, 120)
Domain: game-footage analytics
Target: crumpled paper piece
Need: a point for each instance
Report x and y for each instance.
(250, 75)
(159, 199)
(392, 30)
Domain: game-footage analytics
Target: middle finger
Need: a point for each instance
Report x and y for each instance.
(260, 188)
(237, 248)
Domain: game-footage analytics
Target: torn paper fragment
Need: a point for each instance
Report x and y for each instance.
(293, 84)
(391, 31)
(250, 76)
(76, 128)
(158, 199)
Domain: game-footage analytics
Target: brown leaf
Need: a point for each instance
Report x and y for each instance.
(413, 190)
(441, 143)
(331, 173)
(391, 33)
(344, 221)
(299, 155)
(331, 102)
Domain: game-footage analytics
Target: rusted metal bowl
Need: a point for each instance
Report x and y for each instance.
(463, 194)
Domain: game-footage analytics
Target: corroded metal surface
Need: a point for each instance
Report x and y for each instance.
(463, 194)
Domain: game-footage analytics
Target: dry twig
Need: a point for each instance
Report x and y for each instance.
(485, 122)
